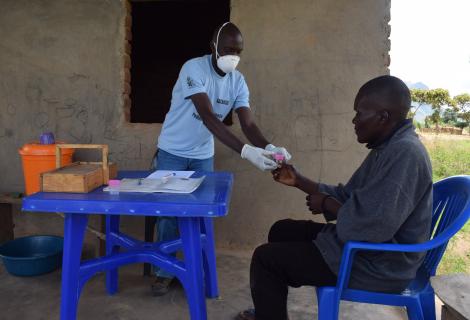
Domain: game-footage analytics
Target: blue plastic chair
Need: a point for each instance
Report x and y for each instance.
(451, 210)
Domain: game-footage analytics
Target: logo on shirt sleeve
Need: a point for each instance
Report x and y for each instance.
(196, 116)
(190, 82)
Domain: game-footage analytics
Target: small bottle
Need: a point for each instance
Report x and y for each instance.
(114, 186)
(279, 158)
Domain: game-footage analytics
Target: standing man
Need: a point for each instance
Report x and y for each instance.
(207, 89)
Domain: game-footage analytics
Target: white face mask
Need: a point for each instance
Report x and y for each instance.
(226, 63)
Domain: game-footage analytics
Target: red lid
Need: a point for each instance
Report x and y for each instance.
(37, 149)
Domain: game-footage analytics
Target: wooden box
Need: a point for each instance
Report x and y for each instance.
(78, 177)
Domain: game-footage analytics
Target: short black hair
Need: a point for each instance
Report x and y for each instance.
(391, 92)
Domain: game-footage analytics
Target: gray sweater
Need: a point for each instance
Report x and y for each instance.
(387, 200)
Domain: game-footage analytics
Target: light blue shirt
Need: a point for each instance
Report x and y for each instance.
(183, 133)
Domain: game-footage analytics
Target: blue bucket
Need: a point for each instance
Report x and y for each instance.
(33, 255)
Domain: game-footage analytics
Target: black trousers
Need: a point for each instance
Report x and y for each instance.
(290, 258)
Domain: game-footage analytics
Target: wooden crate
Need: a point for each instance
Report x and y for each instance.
(78, 177)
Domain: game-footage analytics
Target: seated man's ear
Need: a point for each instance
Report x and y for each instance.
(384, 115)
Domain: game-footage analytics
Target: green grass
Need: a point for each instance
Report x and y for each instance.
(449, 158)
(457, 255)
(453, 263)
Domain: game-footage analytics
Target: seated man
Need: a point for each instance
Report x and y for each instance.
(387, 200)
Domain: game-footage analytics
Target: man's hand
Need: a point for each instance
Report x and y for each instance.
(314, 202)
(261, 158)
(286, 174)
(280, 150)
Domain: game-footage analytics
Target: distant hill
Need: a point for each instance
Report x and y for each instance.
(416, 85)
(424, 110)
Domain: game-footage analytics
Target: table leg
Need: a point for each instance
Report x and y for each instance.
(74, 230)
(190, 231)
(102, 243)
(210, 270)
(112, 225)
(6, 222)
(149, 232)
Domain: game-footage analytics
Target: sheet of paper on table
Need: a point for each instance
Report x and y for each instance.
(164, 173)
(169, 185)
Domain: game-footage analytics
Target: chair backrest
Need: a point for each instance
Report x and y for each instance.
(451, 210)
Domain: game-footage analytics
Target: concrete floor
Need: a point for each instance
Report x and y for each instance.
(39, 297)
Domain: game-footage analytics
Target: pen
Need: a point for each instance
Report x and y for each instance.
(167, 176)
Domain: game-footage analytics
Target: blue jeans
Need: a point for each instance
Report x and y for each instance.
(167, 227)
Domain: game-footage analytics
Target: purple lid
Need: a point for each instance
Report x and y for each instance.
(46, 138)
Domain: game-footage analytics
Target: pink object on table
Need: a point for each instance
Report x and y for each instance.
(114, 183)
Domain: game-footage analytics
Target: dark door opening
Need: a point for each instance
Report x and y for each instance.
(165, 34)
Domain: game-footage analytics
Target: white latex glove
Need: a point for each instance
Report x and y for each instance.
(261, 158)
(280, 150)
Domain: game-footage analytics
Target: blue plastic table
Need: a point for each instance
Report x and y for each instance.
(194, 212)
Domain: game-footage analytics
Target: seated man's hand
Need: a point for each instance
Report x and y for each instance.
(314, 202)
(286, 174)
(260, 158)
(280, 150)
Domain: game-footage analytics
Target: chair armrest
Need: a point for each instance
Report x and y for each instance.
(351, 247)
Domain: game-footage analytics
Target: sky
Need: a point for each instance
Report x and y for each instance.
(430, 43)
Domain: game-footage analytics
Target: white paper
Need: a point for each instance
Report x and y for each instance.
(166, 173)
(169, 185)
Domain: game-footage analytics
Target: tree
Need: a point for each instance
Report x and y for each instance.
(462, 103)
(454, 111)
(450, 116)
(426, 122)
(418, 96)
(437, 98)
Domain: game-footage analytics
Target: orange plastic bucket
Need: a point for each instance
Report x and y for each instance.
(38, 158)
